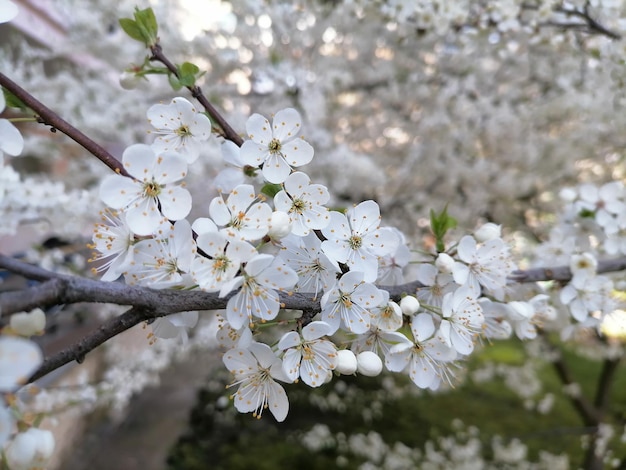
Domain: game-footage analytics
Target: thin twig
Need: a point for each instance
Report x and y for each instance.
(48, 117)
(196, 92)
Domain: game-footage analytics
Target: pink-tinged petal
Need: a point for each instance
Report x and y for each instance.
(276, 170)
(297, 183)
(338, 227)
(289, 340)
(139, 160)
(169, 168)
(144, 218)
(252, 153)
(118, 191)
(364, 217)
(286, 124)
(297, 152)
(316, 330)
(422, 326)
(175, 202)
(291, 363)
(467, 248)
(259, 129)
(11, 141)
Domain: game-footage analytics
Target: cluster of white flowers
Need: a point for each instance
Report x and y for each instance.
(253, 248)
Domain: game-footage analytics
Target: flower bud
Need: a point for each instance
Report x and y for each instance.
(487, 232)
(445, 263)
(30, 449)
(28, 324)
(409, 305)
(346, 362)
(369, 364)
(130, 80)
(280, 225)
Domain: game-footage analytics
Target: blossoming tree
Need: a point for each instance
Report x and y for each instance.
(309, 286)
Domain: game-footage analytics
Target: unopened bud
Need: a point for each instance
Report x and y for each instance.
(487, 232)
(409, 305)
(280, 225)
(28, 324)
(445, 263)
(369, 364)
(346, 362)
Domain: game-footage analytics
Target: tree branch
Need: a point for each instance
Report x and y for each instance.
(48, 117)
(563, 273)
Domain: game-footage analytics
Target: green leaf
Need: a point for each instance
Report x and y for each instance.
(187, 74)
(174, 82)
(188, 69)
(271, 189)
(440, 224)
(13, 101)
(130, 27)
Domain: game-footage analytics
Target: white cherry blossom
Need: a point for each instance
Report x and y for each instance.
(304, 202)
(241, 216)
(427, 357)
(19, 358)
(356, 239)
(225, 257)
(462, 320)
(179, 128)
(152, 191)
(316, 273)
(113, 240)
(165, 261)
(256, 370)
(278, 146)
(308, 355)
(260, 280)
(350, 302)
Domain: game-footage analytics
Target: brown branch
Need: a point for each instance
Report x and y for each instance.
(106, 331)
(563, 273)
(48, 117)
(196, 92)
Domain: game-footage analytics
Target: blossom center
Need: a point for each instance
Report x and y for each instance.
(151, 189)
(345, 300)
(274, 146)
(237, 221)
(298, 206)
(355, 242)
(183, 131)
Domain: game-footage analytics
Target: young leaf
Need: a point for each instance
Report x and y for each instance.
(130, 27)
(271, 189)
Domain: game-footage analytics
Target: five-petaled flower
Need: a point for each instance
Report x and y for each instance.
(277, 146)
(151, 192)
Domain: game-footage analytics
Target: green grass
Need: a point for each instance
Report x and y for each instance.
(228, 440)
